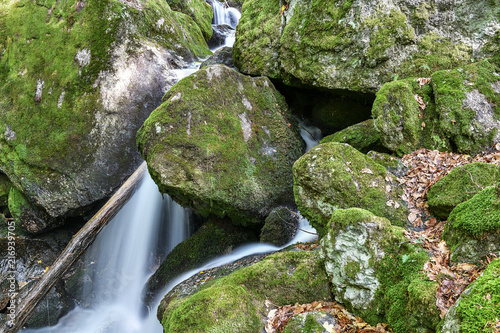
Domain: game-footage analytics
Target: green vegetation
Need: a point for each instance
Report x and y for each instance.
(361, 136)
(480, 309)
(461, 184)
(236, 302)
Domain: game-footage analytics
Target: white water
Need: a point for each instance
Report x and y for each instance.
(310, 134)
(225, 15)
(125, 254)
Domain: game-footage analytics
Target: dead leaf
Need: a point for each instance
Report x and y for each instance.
(366, 170)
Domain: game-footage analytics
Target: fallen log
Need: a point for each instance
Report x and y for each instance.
(76, 247)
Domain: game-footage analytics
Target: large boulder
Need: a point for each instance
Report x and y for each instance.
(453, 110)
(224, 144)
(473, 228)
(377, 274)
(77, 79)
(359, 45)
(214, 238)
(461, 184)
(239, 301)
(280, 227)
(335, 175)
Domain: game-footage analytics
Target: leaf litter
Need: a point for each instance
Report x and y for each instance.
(426, 167)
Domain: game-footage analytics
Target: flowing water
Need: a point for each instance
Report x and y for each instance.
(224, 22)
(131, 246)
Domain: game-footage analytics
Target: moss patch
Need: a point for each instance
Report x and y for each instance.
(460, 185)
(223, 144)
(361, 136)
(479, 310)
(236, 302)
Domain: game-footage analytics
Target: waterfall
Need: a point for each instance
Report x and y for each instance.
(310, 134)
(224, 14)
(223, 24)
(121, 259)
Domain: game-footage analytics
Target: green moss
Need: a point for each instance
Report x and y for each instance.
(476, 216)
(334, 175)
(407, 294)
(5, 186)
(361, 136)
(387, 29)
(343, 217)
(480, 309)
(461, 184)
(205, 161)
(214, 238)
(200, 11)
(236, 302)
(435, 53)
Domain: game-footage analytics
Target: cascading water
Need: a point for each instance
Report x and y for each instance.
(224, 24)
(122, 258)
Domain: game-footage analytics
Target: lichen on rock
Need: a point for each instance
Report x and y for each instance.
(223, 143)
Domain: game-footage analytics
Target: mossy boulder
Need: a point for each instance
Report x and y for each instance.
(377, 274)
(461, 184)
(473, 228)
(478, 308)
(200, 11)
(335, 175)
(77, 79)
(214, 238)
(361, 136)
(280, 227)
(224, 144)
(236, 303)
(457, 110)
(358, 45)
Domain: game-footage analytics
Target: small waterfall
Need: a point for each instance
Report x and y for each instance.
(224, 24)
(122, 258)
(224, 14)
(310, 134)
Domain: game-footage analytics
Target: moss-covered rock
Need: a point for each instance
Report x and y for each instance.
(359, 45)
(214, 238)
(457, 111)
(280, 227)
(377, 274)
(473, 228)
(200, 11)
(236, 303)
(335, 175)
(77, 80)
(223, 143)
(478, 308)
(461, 184)
(361, 136)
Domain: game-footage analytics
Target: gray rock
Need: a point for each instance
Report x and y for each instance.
(280, 227)
(316, 322)
(223, 56)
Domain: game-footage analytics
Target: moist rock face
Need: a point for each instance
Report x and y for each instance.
(77, 81)
(335, 175)
(452, 110)
(376, 274)
(280, 227)
(224, 144)
(360, 45)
